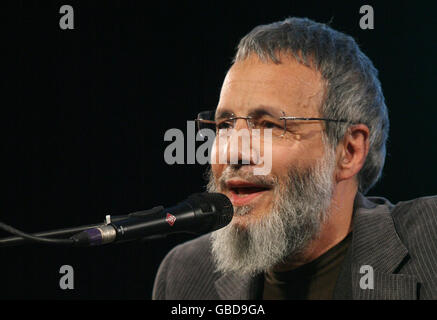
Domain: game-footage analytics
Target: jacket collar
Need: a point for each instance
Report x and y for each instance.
(375, 243)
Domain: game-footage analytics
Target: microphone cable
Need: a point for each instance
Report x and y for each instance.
(30, 237)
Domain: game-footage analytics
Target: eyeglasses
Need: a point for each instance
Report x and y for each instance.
(261, 120)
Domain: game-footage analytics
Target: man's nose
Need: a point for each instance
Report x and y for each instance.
(242, 123)
(240, 148)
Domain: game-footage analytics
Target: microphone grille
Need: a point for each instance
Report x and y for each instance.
(224, 209)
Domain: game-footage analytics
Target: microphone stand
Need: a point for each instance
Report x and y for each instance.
(15, 241)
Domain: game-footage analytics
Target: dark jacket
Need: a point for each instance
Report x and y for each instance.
(398, 241)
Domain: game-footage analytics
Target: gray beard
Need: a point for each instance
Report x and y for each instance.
(301, 206)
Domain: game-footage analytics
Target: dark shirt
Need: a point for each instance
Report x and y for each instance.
(313, 281)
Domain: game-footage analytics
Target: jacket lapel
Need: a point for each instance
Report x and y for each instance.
(386, 286)
(375, 254)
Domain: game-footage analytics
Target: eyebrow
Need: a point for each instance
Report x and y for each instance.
(223, 114)
(258, 111)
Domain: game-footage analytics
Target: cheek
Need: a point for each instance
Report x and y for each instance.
(217, 170)
(216, 167)
(282, 159)
(295, 155)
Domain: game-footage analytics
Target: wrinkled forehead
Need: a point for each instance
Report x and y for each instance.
(289, 86)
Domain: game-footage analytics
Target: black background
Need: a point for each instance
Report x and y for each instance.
(84, 112)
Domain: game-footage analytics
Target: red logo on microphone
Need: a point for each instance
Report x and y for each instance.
(170, 219)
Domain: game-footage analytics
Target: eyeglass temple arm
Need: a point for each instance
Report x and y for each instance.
(301, 118)
(203, 120)
(280, 118)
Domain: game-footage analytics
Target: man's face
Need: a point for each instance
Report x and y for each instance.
(276, 216)
(288, 88)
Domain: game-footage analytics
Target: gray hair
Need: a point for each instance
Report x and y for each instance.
(353, 91)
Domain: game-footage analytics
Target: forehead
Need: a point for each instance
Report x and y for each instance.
(289, 86)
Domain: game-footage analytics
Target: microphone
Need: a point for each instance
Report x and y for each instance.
(200, 213)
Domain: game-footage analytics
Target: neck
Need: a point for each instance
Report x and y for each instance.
(333, 231)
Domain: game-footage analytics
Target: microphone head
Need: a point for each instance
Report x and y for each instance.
(216, 203)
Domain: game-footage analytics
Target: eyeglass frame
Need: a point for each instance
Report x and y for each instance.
(285, 118)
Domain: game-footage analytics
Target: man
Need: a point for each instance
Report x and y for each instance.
(306, 230)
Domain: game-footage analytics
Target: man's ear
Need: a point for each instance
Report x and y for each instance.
(352, 151)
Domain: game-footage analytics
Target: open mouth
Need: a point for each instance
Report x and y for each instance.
(245, 191)
(242, 192)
